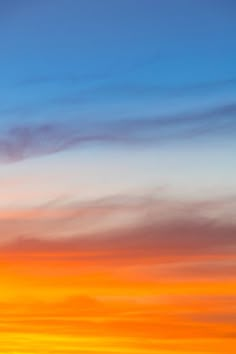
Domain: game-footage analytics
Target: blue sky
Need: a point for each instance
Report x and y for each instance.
(151, 83)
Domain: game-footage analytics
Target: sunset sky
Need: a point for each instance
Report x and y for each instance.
(118, 177)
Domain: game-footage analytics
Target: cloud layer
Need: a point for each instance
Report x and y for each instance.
(124, 229)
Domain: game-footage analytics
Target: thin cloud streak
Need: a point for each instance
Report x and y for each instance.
(26, 141)
(73, 79)
(140, 90)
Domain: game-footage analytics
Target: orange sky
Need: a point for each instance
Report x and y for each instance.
(115, 295)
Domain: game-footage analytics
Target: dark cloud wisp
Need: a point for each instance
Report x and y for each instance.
(24, 141)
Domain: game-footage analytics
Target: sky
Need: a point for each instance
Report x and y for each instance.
(117, 176)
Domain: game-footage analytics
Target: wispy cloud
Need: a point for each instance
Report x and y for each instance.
(68, 78)
(105, 77)
(25, 141)
(142, 89)
(168, 230)
(175, 241)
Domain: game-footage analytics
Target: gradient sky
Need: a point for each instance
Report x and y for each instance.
(117, 176)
